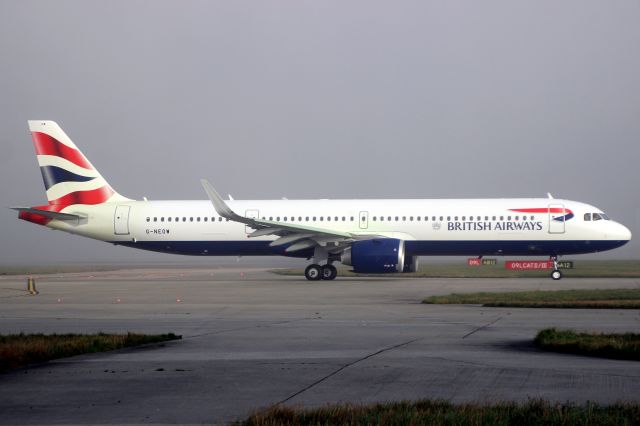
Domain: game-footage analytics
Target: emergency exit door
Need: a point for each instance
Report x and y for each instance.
(364, 220)
(253, 214)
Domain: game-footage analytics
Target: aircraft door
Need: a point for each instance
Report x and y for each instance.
(364, 220)
(253, 214)
(556, 218)
(121, 220)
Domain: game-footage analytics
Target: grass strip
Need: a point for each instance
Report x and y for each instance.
(427, 412)
(616, 346)
(578, 299)
(19, 350)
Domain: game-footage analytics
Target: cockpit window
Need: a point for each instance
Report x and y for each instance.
(595, 216)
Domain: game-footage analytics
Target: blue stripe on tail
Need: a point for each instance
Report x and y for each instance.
(53, 175)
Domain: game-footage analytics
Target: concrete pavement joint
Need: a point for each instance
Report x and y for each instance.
(328, 376)
(489, 324)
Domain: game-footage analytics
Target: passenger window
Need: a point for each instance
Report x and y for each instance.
(162, 219)
(191, 219)
(410, 218)
(299, 218)
(479, 218)
(448, 218)
(148, 219)
(198, 218)
(587, 217)
(374, 218)
(314, 218)
(532, 217)
(464, 218)
(184, 219)
(344, 218)
(508, 217)
(351, 218)
(404, 218)
(441, 218)
(381, 218)
(418, 218)
(328, 218)
(486, 218)
(501, 217)
(306, 219)
(456, 218)
(169, 219)
(494, 218)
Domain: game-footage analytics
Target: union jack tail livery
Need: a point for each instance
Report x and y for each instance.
(69, 178)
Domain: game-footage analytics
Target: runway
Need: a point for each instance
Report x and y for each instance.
(252, 339)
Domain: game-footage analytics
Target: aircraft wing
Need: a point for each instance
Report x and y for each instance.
(298, 235)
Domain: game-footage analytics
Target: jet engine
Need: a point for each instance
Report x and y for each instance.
(377, 256)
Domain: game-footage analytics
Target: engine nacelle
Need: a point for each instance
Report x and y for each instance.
(410, 264)
(375, 256)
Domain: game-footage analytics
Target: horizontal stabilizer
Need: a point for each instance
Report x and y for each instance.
(47, 213)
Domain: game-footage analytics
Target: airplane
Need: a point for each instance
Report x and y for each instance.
(371, 236)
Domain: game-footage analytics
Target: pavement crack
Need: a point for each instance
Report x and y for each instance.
(248, 327)
(333, 373)
(482, 327)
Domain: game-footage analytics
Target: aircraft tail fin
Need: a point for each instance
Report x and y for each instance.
(69, 178)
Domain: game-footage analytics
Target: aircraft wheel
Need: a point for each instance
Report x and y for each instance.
(329, 272)
(313, 272)
(556, 275)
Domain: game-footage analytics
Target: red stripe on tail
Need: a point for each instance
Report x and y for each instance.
(47, 145)
(95, 196)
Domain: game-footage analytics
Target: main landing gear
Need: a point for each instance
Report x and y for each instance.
(316, 272)
(555, 273)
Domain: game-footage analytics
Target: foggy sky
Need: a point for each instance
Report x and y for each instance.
(322, 99)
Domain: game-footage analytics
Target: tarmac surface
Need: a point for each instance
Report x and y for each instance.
(252, 339)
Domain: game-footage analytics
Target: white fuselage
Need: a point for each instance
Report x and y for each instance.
(428, 227)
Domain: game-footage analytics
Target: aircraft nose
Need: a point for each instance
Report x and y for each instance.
(621, 233)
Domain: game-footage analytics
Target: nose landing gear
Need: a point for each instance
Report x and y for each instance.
(555, 273)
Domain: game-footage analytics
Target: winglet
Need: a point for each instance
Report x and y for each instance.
(220, 206)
